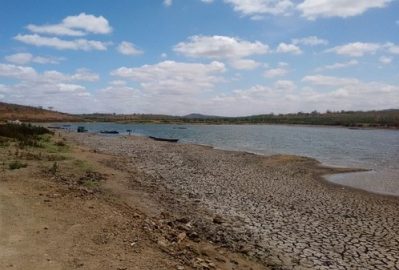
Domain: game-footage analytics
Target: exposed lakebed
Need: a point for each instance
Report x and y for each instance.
(376, 150)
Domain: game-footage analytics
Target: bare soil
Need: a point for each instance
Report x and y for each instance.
(84, 215)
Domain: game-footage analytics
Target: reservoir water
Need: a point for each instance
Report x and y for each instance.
(376, 150)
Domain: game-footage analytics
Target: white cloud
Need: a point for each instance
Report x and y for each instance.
(50, 88)
(17, 72)
(61, 44)
(244, 64)
(118, 83)
(288, 48)
(385, 60)
(234, 50)
(347, 94)
(312, 9)
(180, 88)
(356, 49)
(322, 80)
(255, 8)
(83, 74)
(19, 58)
(167, 3)
(24, 73)
(220, 47)
(207, 1)
(310, 41)
(78, 25)
(25, 58)
(119, 98)
(275, 72)
(59, 30)
(128, 48)
(339, 65)
(392, 48)
(174, 78)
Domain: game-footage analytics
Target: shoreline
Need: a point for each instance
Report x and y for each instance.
(335, 169)
(322, 177)
(227, 124)
(193, 179)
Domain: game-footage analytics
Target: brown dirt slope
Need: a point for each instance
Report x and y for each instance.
(32, 114)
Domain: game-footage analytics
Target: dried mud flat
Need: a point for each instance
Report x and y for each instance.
(276, 210)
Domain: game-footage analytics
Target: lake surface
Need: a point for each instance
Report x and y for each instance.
(376, 150)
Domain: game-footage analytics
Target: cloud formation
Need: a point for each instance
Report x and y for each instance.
(313, 9)
(288, 48)
(26, 58)
(62, 44)
(310, 41)
(275, 72)
(220, 47)
(356, 49)
(261, 7)
(79, 25)
(310, 9)
(339, 65)
(174, 78)
(128, 48)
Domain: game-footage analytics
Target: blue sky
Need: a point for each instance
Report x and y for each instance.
(225, 57)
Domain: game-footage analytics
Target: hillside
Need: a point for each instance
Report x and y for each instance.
(354, 119)
(32, 114)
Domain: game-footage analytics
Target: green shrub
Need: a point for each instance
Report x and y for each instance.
(25, 134)
(15, 165)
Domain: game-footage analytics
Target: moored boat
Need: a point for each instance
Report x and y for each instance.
(163, 139)
(109, 132)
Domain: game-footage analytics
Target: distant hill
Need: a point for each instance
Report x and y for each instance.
(32, 114)
(200, 116)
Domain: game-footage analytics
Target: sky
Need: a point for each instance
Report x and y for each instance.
(217, 57)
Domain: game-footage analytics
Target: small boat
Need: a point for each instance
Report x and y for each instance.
(109, 132)
(163, 139)
(81, 129)
(179, 128)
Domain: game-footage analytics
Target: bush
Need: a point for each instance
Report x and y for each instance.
(15, 165)
(25, 134)
(4, 142)
(60, 143)
(22, 131)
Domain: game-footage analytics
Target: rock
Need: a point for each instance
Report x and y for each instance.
(184, 220)
(162, 243)
(218, 219)
(194, 236)
(181, 237)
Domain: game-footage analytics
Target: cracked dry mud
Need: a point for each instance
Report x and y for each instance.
(276, 209)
